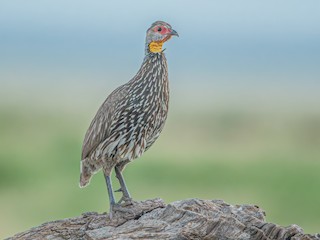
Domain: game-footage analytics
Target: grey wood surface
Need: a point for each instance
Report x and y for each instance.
(185, 219)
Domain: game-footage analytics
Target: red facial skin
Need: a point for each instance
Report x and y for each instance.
(163, 31)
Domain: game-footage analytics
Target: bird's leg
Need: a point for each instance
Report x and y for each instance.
(126, 195)
(110, 193)
(114, 207)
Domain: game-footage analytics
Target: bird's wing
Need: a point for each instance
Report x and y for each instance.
(99, 128)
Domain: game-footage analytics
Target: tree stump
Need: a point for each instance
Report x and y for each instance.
(185, 219)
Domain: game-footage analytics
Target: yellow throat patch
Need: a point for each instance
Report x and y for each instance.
(155, 47)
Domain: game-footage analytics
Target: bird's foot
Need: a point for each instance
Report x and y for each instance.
(121, 209)
(126, 201)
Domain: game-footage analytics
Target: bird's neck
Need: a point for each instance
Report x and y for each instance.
(153, 47)
(151, 81)
(153, 69)
(155, 61)
(154, 58)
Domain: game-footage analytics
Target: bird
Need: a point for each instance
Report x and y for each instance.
(130, 119)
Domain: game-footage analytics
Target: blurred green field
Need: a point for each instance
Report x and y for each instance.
(239, 156)
(244, 116)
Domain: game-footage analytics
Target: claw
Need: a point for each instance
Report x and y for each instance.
(121, 199)
(126, 201)
(123, 209)
(119, 190)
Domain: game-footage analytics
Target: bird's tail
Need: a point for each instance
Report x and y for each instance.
(87, 169)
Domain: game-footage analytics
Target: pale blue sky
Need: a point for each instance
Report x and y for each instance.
(226, 43)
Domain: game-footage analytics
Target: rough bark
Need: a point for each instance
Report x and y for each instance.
(186, 219)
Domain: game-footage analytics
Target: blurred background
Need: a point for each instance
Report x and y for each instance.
(244, 120)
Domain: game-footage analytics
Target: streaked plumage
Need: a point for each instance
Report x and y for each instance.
(132, 117)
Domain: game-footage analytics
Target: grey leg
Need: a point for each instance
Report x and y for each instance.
(126, 195)
(110, 193)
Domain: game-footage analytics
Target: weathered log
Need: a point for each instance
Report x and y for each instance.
(186, 219)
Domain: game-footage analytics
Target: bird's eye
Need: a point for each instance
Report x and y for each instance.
(159, 29)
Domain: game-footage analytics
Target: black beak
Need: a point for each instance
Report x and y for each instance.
(174, 33)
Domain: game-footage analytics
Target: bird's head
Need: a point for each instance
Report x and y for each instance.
(157, 34)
